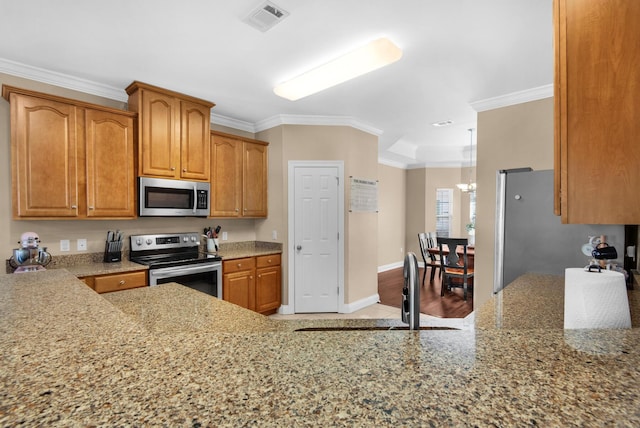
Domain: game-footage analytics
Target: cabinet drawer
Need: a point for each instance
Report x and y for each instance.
(266, 261)
(121, 281)
(238, 265)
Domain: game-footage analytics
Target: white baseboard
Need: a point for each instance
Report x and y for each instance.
(391, 266)
(396, 265)
(348, 308)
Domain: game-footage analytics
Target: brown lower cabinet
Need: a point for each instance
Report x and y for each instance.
(253, 283)
(116, 281)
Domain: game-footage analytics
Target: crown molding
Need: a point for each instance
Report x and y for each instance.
(296, 119)
(513, 98)
(95, 88)
(242, 125)
(63, 80)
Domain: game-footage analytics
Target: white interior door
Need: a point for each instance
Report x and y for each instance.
(317, 276)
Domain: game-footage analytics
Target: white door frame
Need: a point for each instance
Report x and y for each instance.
(291, 230)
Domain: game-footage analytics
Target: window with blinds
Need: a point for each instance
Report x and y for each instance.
(444, 211)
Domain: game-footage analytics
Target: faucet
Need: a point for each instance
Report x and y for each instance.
(410, 310)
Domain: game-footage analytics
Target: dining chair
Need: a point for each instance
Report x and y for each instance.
(454, 264)
(430, 260)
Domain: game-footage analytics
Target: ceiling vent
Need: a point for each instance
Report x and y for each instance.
(265, 16)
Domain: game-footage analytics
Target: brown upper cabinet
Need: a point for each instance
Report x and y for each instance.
(173, 133)
(70, 159)
(597, 126)
(239, 171)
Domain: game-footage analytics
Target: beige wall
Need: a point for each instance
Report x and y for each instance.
(359, 152)
(421, 202)
(510, 137)
(52, 231)
(392, 200)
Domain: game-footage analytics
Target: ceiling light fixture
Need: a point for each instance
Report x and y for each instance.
(369, 57)
(470, 186)
(443, 123)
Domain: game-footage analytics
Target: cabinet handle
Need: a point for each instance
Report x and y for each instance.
(251, 277)
(184, 169)
(237, 210)
(73, 207)
(91, 208)
(259, 276)
(122, 282)
(173, 168)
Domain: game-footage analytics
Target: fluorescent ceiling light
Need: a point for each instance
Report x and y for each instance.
(443, 123)
(372, 56)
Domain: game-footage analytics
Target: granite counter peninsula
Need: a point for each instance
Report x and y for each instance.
(171, 356)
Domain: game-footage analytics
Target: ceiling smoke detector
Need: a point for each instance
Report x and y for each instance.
(265, 16)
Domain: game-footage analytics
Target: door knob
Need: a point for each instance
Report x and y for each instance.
(299, 247)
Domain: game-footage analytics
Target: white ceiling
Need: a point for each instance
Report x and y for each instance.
(456, 53)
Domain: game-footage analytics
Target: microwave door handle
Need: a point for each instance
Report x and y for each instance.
(195, 197)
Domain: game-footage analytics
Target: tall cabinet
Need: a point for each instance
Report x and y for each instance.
(173, 133)
(70, 159)
(597, 125)
(239, 171)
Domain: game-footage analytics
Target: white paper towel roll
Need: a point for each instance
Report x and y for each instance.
(595, 299)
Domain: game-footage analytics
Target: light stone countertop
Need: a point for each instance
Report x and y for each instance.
(171, 356)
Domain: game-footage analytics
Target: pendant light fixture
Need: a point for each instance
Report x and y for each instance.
(470, 186)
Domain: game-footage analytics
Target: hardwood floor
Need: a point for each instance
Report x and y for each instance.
(451, 305)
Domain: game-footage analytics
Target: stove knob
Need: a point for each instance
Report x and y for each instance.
(149, 241)
(194, 239)
(139, 241)
(185, 239)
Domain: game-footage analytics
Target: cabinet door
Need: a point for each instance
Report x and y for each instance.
(596, 111)
(254, 180)
(195, 141)
(268, 286)
(43, 157)
(110, 164)
(226, 176)
(239, 288)
(160, 134)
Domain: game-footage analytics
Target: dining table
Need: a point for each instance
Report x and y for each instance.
(460, 251)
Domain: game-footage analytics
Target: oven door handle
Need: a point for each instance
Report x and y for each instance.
(184, 270)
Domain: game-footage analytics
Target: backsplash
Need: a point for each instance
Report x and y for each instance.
(62, 261)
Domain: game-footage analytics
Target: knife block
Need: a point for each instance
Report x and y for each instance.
(112, 251)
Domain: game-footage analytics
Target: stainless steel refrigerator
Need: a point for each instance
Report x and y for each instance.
(530, 238)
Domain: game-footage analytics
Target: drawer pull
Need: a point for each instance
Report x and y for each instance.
(269, 261)
(239, 264)
(122, 282)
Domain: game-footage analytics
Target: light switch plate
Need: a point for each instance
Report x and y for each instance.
(65, 245)
(82, 245)
(224, 236)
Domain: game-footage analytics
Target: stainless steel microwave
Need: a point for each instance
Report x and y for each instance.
(159, 197)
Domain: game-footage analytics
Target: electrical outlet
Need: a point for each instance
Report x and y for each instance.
(274, 234)
(224, 236)
(65, 245)
(82, 245)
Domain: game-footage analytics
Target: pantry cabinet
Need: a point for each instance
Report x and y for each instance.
(173, 133)
(70, 159)
(597, 154)
(239, 171)
(253, 283)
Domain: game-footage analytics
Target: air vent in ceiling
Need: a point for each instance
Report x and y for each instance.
(265, 16)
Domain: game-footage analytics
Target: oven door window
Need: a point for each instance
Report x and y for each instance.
(206, 282)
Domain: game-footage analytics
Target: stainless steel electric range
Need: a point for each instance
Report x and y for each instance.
(176, 257)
